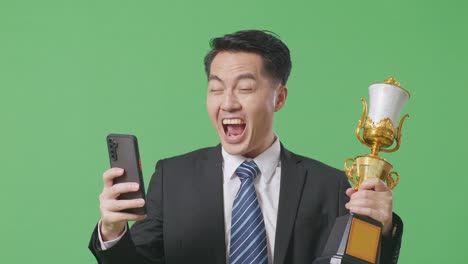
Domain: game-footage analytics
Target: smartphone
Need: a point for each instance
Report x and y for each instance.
(123, 153)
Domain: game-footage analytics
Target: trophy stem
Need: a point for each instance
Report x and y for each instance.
(375, 149)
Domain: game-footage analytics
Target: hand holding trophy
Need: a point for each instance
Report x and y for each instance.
(356, 239)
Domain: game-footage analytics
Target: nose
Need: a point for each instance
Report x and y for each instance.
(230, 103)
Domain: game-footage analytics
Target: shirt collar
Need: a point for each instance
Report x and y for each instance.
(266, 162)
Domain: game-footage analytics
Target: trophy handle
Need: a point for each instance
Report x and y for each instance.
(397, 136)
(349, 171)
(392, 183)
(362, 122)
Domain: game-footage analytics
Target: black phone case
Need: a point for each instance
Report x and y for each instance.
(123, 153)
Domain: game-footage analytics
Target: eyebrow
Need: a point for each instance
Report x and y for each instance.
(214, 77)
(239, 77)
(246, 76)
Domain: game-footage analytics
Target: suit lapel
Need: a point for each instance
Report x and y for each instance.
(291, 186)
(210, 185)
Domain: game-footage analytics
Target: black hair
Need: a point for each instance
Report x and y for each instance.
(275, 54)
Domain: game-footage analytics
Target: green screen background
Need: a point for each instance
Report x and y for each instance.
(73, 71)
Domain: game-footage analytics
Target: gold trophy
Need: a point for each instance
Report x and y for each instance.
(356, 239)
(380, 132)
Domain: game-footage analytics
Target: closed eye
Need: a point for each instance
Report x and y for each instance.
(215, 89)
(246, 90)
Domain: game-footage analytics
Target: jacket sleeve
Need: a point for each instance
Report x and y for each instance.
(390, 247)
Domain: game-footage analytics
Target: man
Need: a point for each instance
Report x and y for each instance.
(248, 200)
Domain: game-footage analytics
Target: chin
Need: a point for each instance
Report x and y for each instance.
(235, 149)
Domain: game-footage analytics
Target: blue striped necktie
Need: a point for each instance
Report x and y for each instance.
(248, 236)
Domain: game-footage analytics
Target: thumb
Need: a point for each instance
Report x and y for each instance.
(375, 184)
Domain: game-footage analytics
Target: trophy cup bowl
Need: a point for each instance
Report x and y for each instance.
(356, 239)
(366, 167)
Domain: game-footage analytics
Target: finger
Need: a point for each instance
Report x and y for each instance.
(119, 205)
(110, 174)
(384, 197)
(369, 203)
(374, 184)
(350, 191)
(125, 187)
(382, 187)
(382, 200)
(372, 204)
(117, 189)
(362, 203)
(366, 211)
(115, 217)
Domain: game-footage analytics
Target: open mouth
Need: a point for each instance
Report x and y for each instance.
(233, 128)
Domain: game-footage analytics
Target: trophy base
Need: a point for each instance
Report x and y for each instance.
(354, 239)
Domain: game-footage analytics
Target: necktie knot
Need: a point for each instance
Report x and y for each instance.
(247, 170)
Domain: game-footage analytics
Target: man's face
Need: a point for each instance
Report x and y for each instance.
(241, 102)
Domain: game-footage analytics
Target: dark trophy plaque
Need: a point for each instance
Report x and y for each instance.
(354, 239)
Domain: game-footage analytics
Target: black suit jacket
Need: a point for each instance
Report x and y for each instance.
(185, 222)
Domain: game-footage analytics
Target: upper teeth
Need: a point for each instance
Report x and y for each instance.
(233, 122)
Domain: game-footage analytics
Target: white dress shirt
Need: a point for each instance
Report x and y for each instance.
(267, 185)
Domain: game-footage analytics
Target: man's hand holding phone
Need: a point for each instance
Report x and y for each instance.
(113, 221)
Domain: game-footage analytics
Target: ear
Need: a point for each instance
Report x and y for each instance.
(281, 97)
